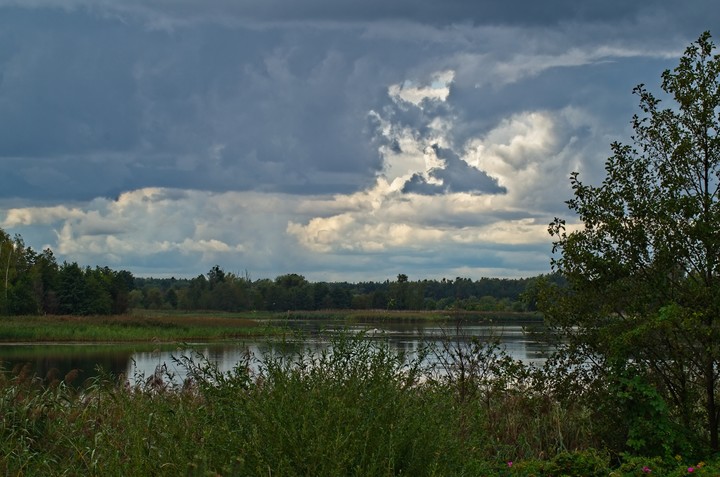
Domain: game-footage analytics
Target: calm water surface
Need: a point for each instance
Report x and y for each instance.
(138, 360)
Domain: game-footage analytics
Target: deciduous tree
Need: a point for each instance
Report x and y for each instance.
(643, 270)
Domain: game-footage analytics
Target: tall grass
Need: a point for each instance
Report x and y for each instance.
(136, 328)
(357, 409)
(151, 325)
(411, 316)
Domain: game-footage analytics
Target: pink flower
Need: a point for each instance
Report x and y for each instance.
(646, 470)
(509, 463)
(691, 470)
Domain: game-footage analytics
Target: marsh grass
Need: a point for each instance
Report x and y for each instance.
(411, 316)
(356, 409)
(178, 326)
(135, 328)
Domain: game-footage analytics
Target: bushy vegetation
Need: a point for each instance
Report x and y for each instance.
(641, 300)
(358, 409)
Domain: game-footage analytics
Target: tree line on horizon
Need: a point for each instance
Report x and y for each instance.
(220, 290)
(34, 283)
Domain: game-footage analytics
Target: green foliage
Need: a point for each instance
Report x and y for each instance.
(642, 287)
(586, 463)
(357, 409)
(224, 291)
(33, 283)
(631, 408)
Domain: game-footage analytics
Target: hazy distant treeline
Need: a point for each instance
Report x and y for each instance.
(219, 290)
(34, 283)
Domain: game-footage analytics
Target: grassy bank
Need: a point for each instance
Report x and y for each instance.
(414, 316)
(174, 326)
(357, 411)
(129, 328)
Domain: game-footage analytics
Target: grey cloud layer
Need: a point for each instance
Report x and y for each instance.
(454, 176)
(511, 12)
(288, 136)
(94, 105)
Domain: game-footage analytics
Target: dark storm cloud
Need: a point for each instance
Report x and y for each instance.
(434, 12)
(101, 97)
(455, 176)
(92, 106)
(60, 92)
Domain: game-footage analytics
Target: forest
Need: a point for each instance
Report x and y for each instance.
(218, 290)
(34, 283)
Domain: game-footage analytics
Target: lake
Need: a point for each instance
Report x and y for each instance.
(142, 359)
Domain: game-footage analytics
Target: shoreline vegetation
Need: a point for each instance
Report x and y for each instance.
(174, 326)
(361, 409)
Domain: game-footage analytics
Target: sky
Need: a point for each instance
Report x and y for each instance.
(341, 140)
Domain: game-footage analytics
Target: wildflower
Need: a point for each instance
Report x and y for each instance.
(646, 470)
(509, 463)
(691, 470)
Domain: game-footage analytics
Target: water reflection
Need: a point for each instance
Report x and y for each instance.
(141, 360)
(55, 361)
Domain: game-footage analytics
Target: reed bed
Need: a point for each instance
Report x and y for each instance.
(357, 409)
(178, 326)
(412, 316)
(129, 328)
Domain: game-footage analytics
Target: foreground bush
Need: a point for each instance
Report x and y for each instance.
(358, 410)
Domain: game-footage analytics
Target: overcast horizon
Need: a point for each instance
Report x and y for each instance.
(344, 141)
